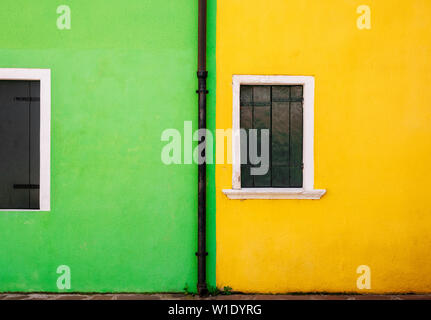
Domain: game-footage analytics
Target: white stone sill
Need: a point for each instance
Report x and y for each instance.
(273, 193)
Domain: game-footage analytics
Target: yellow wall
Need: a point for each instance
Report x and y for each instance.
(372, 147)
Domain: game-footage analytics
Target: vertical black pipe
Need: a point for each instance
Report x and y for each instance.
(202, 92)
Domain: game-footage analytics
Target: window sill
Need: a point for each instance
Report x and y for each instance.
(273, 193)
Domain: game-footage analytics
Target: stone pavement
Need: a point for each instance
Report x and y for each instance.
(127, 296)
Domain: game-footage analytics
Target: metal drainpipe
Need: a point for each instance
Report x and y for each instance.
(202, 92)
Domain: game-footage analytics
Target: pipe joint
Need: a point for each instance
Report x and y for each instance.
(202, 76)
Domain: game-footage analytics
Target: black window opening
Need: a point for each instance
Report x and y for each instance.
(279, 109)
(19, 144)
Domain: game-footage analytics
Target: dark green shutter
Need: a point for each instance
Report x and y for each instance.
(279, 109)
(246, 114)
(19, 144)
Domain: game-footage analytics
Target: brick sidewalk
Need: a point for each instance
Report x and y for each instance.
(55, 296)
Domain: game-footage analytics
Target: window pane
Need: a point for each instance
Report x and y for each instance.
(262, 95)
(246, 117)
(296, 92)
(280, 93)
(246, 93)
(262, 117)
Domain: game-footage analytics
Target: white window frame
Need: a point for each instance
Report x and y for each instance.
(44, 76)
(307, 191)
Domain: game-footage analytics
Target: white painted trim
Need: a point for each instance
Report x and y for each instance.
(44, 76)
(308, 126)
(273, 193)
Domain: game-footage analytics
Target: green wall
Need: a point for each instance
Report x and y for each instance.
(120, 218)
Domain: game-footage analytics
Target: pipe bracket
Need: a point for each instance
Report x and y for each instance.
(202, 75)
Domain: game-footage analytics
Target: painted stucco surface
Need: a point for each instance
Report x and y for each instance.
(372, 147)
(120, 218)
